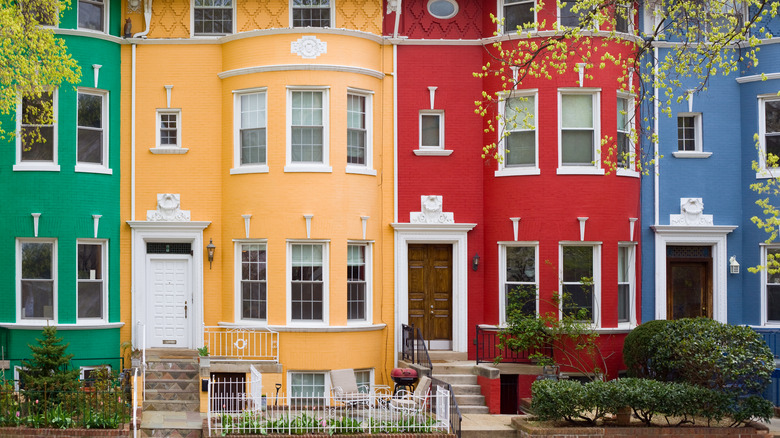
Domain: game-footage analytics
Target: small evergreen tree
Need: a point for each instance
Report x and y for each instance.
(48, 368)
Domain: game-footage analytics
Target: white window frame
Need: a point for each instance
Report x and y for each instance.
(84, 369)
(631, 281)
(595, 167)
(371, 384)
(503, 169)
(502, 279)
(168, 148)
(332, 16)
(501, 8)
(106, 16)
(104, 279)
(325, 284)
(292, 166)
(369, 282)
(326, 384)
(95, 167)
(764, 171)
(43, 166)
(630, 130)
(630, 18)
(211, 35)
(765, 321)
(368, 167)
(596, 247)
(560, 14)
(54, 268)
(440, 115)
(454, 4)
(698, 151)
(238, 244)
(238, 167)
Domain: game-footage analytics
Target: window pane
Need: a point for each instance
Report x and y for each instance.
(429, 124)
(90, 299)
(90, 262)
(307, 283)
(577, 110)
(90, 110)
(517, 14)
(356, 282)
(623, 302)
(91, 15)
(521, 149)
(568, 17)
(577, 147)
(772, 114)
(253, 147)
(578, 301)
(37, 299)
(38, 143)
(90, 146)
(773, 303)
(36, 260)
(577, 263)
(521, 263)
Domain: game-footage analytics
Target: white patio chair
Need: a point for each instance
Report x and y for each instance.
(344, 388)
(414, 402)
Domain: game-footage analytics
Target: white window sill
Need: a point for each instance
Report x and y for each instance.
(691, 154)
(767, 174)
(41, 324)
(255, 168)
(428, 152)
(627, 172)
(36, 167)
(93, 168)
(358, 170)
(321, 168)
(517, 171)
(327, 328)
(245, 324)
(580, 170)
(168, 150)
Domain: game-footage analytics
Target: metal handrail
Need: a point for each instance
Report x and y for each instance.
(489, 348)
(255, 344)
(413, 346)
(456, 419)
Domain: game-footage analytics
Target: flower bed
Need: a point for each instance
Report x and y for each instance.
(26, 432)
(528, 428)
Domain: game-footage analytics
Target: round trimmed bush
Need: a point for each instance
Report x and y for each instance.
(636, 348)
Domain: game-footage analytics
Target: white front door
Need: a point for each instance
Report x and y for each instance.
(169, 301)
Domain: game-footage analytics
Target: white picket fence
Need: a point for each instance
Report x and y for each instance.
(232, 410)
(237, 343)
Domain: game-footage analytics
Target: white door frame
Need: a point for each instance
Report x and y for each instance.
(180, 232)
(455, 234)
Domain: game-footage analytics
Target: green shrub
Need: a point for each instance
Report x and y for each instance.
(711, 354)
(636, 352)
(677, 403)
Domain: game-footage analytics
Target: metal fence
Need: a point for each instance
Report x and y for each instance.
(236, 343)
(103, 405)
(489, 348)
(232, 412)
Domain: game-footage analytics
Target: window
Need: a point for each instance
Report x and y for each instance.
(307, 136)
(518, 14)
(92, 130)
(578, 282)
(625, 118)
(688, 132)
(567, 17)
(212, 17)
(36, 265)
(92, 15)
(519, 278)
(91, 264)
(364, 380)
(432, 129)
(769, 128)
(357, 285)
(311, 13)
(254, 298)
(307, 389)
(578, 130)
(519, 143)
(91, 374)
(307, 282)
(626, 275)
(356, 129)
(443, 9)
(251, 140)
(37, 133)
(624, 17)
(45, 13)
(772, 280)
(168, 128)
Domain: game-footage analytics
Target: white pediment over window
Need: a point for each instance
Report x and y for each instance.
(168, 209)
(431, 207)
(691, 214)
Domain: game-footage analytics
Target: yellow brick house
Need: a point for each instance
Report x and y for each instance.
(260, 132)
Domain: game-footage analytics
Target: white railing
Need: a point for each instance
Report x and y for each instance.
(237, 343)
(234, 410)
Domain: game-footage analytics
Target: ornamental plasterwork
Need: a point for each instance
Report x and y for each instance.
(691, 214)
(431, 212)
(168, 209)
(308, 47)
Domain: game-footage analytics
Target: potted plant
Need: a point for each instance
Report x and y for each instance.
(203, 356)
(135, 353)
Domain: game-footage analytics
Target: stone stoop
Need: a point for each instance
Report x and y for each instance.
(464, 384)
(172, 384)
(172, 424)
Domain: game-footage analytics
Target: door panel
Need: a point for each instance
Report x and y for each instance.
(430, 290)
(689, 291)
(169, 302)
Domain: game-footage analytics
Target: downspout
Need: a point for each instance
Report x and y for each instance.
(134, 326)
(147, 19)
(395, 185)
(397, 20)
(656, 157)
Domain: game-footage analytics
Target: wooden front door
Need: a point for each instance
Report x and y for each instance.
(430, 292)
(688, 288)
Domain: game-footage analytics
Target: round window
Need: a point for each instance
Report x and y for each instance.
(443, 9)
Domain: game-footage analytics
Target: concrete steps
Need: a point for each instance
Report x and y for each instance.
(464, 385)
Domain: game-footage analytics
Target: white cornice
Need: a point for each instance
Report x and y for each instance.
(301, 67)
(260, 33)
(677, 229)
(176, 225)
(431, 227)
(758, 78)
(88, 34)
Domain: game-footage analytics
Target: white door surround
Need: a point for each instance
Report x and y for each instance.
(447, 233)
(144, 232)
